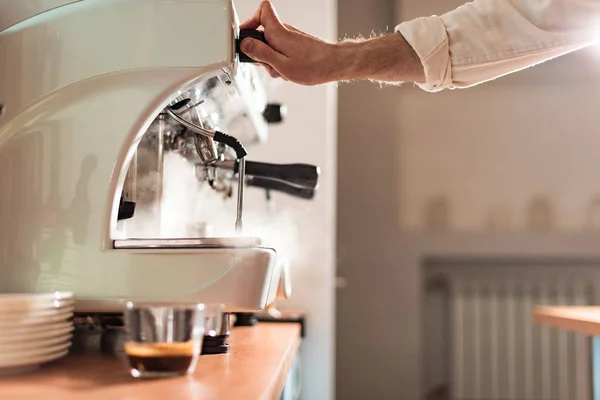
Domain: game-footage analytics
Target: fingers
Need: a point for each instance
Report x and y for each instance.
(250, 24)
(272, 73)
(265, 16)
(262, 52)
(254, 21)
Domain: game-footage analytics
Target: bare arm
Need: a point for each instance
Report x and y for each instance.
(477, 42)
(386, 59)
(299, 57)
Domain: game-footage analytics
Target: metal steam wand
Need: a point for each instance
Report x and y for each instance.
(226, 139)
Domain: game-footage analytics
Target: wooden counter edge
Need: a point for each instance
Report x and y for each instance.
(579, 319)
(58, 381)
(279, 380)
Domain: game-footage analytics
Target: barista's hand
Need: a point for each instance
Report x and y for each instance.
(301, 58)
(291, 53)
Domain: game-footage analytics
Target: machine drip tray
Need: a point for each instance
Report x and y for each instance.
(215, 345)
(200, 243)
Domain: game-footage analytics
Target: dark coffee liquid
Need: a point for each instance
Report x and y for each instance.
(160, 357)
(179, 364)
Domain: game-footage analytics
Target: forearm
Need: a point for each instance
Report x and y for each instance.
(387, 58)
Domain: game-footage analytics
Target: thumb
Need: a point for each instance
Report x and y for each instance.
(262, 52)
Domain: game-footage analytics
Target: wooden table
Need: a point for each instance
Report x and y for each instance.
(256, 368)
(580, 319)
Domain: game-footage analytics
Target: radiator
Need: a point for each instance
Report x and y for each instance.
(497, 353)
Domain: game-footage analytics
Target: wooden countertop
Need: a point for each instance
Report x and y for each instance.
(580, 319)
(255, 369)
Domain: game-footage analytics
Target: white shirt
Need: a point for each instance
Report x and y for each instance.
(486, 39)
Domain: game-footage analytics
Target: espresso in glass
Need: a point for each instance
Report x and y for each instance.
(163, 358)
(163, 340)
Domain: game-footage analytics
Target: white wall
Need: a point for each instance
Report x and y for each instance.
(309, 135)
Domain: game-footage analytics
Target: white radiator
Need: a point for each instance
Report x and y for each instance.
(497, 353)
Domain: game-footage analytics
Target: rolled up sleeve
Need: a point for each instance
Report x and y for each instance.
(429, 39)
(486, 39)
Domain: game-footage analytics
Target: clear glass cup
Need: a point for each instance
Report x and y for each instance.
(213, 319)
(163, 340)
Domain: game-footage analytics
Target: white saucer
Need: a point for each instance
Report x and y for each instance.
(20, 334)
(33, 321)
(48, 310)
(37, 344)
(14, 366)
(25, 353)
(58, 304)
(35, 314)
(27, 301)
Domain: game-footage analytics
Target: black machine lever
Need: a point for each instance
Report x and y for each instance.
(248, 33)
(279, 186)
(304, 176)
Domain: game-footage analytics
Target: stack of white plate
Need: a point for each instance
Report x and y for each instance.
(34, 328)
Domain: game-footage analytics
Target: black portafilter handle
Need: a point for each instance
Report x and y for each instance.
(278, 186)
(300, 175)
(248, 33)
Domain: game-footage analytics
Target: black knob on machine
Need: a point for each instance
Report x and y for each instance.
(274, 113)
(248, 33)
(126, 209)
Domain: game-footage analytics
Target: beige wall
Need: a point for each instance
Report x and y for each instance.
(489, 151)
(494, 150)
(367, 210)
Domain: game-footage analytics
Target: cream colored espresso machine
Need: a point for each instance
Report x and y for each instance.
(125, 132)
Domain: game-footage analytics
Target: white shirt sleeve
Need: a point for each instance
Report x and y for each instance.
(486, 39)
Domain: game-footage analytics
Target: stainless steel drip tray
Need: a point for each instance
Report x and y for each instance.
(195, 243)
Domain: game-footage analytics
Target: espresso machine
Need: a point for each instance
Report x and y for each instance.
(126, 136)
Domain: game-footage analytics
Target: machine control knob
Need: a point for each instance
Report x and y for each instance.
(274, 113)
(248, 33)
(126, 209)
